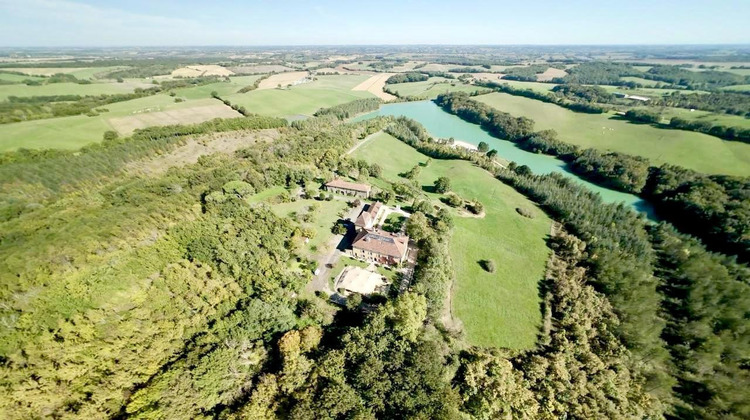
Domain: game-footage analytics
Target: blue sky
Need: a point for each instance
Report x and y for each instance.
(296, 22)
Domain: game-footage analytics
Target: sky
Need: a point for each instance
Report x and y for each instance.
(91, 23)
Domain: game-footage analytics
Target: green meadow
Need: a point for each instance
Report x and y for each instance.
(496, 309)
(77, 131)
(710, 117)
(431, 88)
(65, 89)
(535, 86)
(738, 88)
(17, 78)
(302, 99)
(78, 72)
(608, 132)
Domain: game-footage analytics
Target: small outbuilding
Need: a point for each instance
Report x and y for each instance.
(339, 186)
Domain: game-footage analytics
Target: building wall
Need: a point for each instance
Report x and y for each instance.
(373, 257)
(352, 193)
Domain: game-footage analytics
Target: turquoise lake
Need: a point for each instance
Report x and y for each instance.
(444, 125)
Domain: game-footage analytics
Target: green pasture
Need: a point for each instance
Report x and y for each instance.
(697, 151)
(496, 309)
(77, 131)
(302, 99)
(51, 89)
(431, 88)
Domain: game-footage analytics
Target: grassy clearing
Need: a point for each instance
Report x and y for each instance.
(496, 309)
(80, 130)
(322, 221)
(642, 81)
(64, 89)
(17, 78)
(697, 115)
(266, 195)
(738, 88)
(535, 86)
(431, 88)
(303, 99)
(607, 132)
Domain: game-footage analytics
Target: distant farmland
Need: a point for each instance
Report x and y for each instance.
(605, 132)
(303, 99)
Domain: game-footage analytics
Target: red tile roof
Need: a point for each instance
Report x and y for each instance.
(381, 242)
(366, 219)
(339, 183)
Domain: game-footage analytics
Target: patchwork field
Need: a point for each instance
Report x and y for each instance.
(222, 88)
(282, 79)
(260, 69)
(302, 99)
(431, 88)
(375, 86)
(607, 132)
(198, 71)
(496, 309)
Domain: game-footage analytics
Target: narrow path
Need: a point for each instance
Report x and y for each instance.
(365, 140)
(331, 257)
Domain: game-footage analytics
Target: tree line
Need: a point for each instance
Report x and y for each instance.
(683, 196)
(683, 309)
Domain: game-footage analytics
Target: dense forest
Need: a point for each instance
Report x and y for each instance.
(694, 79)
(599, 73)
(407, 77)
(525, 73)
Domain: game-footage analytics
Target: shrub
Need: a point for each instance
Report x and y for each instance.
(487, 265)
(442, 185)
(525, 212)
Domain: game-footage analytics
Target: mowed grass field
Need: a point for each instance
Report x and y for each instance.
(302, 99)
(80, 130)
(697, 151)
(431, 88)
(496, 309)
(106, 88)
